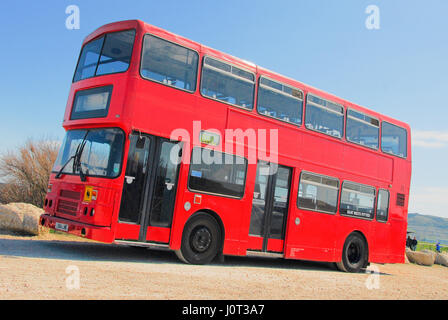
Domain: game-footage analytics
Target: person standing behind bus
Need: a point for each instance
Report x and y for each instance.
(409, 242)
(438, 246)
(414, 244)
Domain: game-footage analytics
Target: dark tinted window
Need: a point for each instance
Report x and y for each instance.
(324, 116)
(362, 129)
(218, 173)
(393, 140)
(109, 54)
(382, 209)
(357, 200)
(227, 83)
(318, 193)
(280, 101)
(169, 63)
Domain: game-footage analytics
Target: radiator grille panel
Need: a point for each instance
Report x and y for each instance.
(67, 207)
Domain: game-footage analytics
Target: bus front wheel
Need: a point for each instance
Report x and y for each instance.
(201, 240)
(354, 254)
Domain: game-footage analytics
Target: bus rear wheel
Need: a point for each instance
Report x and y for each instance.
(201, 240)
(354, 254)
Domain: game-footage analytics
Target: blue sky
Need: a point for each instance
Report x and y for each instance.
(400, 70)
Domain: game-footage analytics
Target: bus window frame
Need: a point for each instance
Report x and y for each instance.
(374, 201)
(83, 92)
(365, 114)
(101, 50)
(211, 193)
(406, 140)
(324, 108)
(324, 176)
(297, 125)
(255, 90)
(124, 146)
(160, 82)
(388, 206)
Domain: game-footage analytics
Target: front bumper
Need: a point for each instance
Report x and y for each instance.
(102, 234)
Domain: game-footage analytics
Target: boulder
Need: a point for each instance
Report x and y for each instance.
(432, 253)
(420, 257)
(21, 217)
(442, 259)
(406, 260)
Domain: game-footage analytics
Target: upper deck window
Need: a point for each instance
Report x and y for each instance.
(363, 129)
(169, 63)
(324, 116)
(280, 101)
(393, 139)
(109, 54)
(227, 83)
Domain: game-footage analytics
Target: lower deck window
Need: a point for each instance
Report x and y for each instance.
(357, 200)
(217, 173)
(382, 208)
(318, 193)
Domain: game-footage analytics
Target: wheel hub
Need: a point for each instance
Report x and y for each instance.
(201, 239)
(354, 253)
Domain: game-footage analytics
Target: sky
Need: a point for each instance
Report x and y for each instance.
(399, 68)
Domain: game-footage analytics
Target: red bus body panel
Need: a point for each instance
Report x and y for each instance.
(150, 107)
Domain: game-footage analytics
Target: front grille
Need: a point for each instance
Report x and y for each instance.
(67, 207)
(75, 195)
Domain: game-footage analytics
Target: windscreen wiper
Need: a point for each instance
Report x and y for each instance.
(76, 156)
(77, 159)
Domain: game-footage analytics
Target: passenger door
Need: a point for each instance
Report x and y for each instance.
(269, 207)
(150, 184)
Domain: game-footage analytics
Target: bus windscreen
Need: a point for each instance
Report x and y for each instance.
(101, 155)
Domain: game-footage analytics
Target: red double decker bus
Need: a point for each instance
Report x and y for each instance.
(173, 145)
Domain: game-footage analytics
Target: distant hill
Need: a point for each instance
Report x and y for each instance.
(428, 228)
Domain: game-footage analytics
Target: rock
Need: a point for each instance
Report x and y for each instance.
(432, 253)
(21, 217)
(442, 259)
(420, 257)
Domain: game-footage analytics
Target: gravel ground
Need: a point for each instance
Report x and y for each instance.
(49, 266)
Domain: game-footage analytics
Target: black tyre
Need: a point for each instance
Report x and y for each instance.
(201, 240)
(354, 254)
